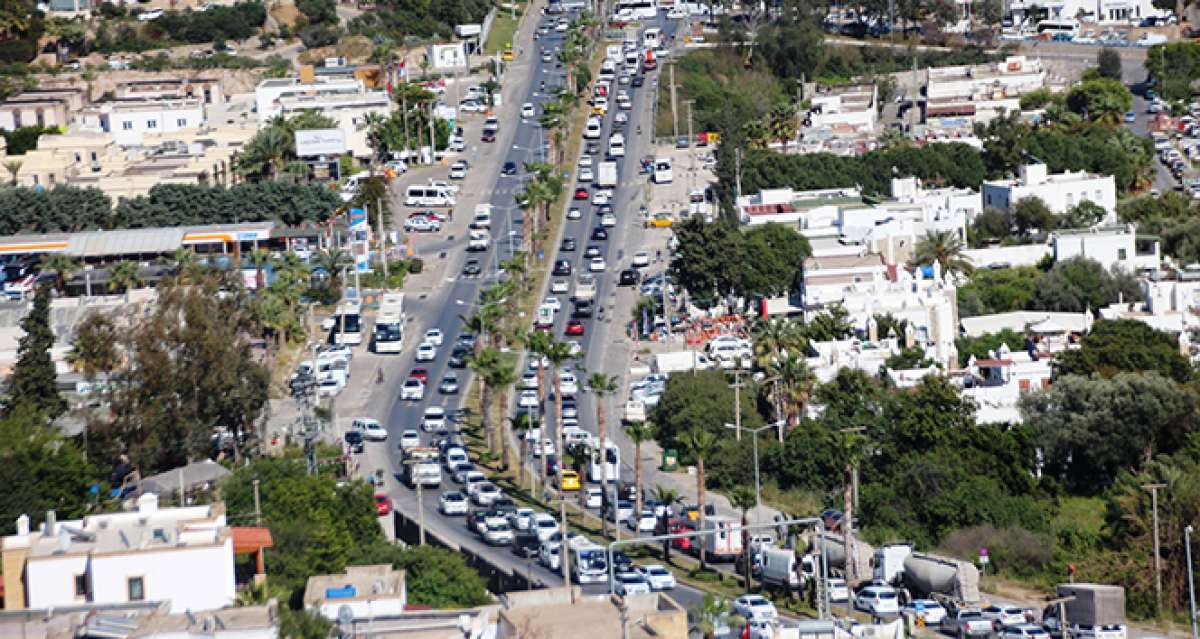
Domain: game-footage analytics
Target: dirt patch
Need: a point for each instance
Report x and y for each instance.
(356, 49)
(285, 14)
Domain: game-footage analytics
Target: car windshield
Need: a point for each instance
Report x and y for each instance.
(970, 614)
(887, 595)
(756, 601)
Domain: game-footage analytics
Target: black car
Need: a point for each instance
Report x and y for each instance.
(448, 385)
(354, 440)
(472, 268)
(605, 209)
(638, 80)
(562, 268)
(475, 520)
(504, 505)
(628, 277)
(458, 357)
(682, 142)
(526, 545)
(510, 168)
(593, 148)
(622, 562)
(466, 340)
(598, 234)
(583, 308)
(568, 244)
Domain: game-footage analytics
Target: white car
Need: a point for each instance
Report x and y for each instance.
(413, 390)
(677, 13)
(594, 498)
(528, 399)
(1023, 631)
(601, 197)
(574, 214)
(544, 526)
(641, 259)
(568, 384)
(521, 518)
(529, 380)
(931, 611)
(754, 607)
(585, 162)
(642, 523)
(433, 336)
(877, 600)
(409, 439)
(1005, 615)
(585, 175)
(658, 577)
(560, 286)
(471, 479)
(426, 352)
(552, 302)
(371, 430)
(597, 265)
(608, 220)
(434, 419)
(632, 583)
(576, 349)
(453, 503)
(458, 170)
(484, 493)
(528, 110)
(838, 592)
(500, 534)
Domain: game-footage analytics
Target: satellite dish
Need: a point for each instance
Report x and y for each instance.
(345, 615)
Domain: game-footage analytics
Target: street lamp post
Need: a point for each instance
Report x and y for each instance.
(757, 484)
(1187, 545)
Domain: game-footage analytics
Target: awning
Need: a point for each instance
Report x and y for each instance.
(943, 110)
(124, 242)
(251, 539)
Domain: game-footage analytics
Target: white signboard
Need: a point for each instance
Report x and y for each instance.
(313, 142)
(468, 30)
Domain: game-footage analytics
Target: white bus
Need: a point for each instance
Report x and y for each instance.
(639, 9)
(347, 324)
(651, 38)
(662, 171)
(389, 324)
(428, 195)
(1066, 27)
(610, 467)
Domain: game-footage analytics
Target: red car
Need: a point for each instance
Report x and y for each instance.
(575, 327)
(581, 194)
(677, 526)
(419, 373)
(383, 504)
(488, 136)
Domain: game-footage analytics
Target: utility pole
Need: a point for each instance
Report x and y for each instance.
(257, 505)
(420, 514)
(382, 240)
(674, 115)
(737, 407)
(1187, 545)
(737, 186)
(1153, 488)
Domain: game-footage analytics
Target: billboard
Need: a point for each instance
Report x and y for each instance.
(314, 142)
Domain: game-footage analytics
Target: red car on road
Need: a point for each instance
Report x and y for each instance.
(419, 373)
(383, 504)
(581, 194)
(676, 526)
(575, 328)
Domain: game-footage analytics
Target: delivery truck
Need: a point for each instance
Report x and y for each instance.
(606, 175)
(1086, 611)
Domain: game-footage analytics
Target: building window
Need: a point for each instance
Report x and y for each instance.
(51, 177)
(127, 125)
(81, 585)
(1121, 254)
(181, 123)
(151, 124)
(137, 589)
(93, 156)
(78, 158)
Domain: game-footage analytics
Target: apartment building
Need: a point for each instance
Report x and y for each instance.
(980, 92)
(1060, 191)
(208, 90)
(348, 110)
(270, 92)
(129, 121)
(41, 107)
(1113, 246)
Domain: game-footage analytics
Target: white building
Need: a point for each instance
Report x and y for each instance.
(1060, 191)
(807, 209)
(269, 92)
(980, 92)
(348, 110)
(852, 105)
(1095, 11)
(450, 56)
(367, 591)
(1110, 246)
(129, 120)
(182, 557)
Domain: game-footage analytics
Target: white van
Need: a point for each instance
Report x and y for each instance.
(483, 216)
(428, 195)
(353, 184)
(593, 129)
(651, 38)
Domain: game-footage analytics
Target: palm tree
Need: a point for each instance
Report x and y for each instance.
(743, 498)
(374, 124)
(944, 247)
(849, 447)
(774, 336)
(603, 386)
(638, 433)
(63, 266)
(668, 497)
(267, 152)
(182, 261)
(259, 258)
(795, 385)
(538, 344)
(499, 377)
(519, 425)
(757, 134)
(701, 443)
(781, 122)
(333, 261)
(123, 276)
(709, 614)
(483, 365)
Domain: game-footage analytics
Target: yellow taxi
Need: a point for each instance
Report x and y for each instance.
(660, 221)
(508, 54)
(570, 480)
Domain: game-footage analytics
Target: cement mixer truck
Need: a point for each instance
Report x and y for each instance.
(926, 575)
(832, 547)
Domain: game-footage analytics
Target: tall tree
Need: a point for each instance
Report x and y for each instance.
(34, 380)
(638, 433)
(945, 248)
(701, 444)
(1108, 63)
(603, 386)
(743, 498)
(668, 497)
(64, 267)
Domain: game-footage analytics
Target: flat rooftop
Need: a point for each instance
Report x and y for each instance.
(357, 583)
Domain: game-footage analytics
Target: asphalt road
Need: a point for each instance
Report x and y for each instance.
(443, 306)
